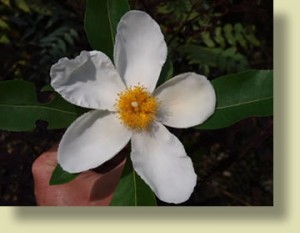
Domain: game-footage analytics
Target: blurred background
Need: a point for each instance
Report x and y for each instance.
(211, 37)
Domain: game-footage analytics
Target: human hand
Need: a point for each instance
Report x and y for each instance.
(87, 189)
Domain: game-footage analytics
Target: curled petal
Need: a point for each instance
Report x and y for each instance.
(161, 161)
(186, 100)
(90, 80)
(91, 140)
(140, 50)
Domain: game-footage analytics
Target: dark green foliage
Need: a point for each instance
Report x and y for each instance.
(226, 60)
(34, 35)
(216, 37)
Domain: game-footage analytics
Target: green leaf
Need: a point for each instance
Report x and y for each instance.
(101, 20)
(166, 72)
(22, 4)
(228, 60)
(42, 7)
(4, 25)
(20, 109)
(6, 2)
(207, 39)
(219, 37)
(132, 190)
(228, 34)
(4, 39)
(240, 38)
(47, 88)
(59, 176)
(252, 39)
(241, 95)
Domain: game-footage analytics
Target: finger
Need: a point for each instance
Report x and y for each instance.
(89, 188)
(46, 162)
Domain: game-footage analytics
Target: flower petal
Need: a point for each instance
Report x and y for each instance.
(91, 140)
(140, 49)
(186, 100)
(90, 80)
(161, 161)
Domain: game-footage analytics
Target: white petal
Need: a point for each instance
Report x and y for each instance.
(90, 80)
(91, 140)
(160, 159)
(140, 49)
(186, 100)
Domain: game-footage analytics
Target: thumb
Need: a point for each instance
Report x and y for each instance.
(87, 189)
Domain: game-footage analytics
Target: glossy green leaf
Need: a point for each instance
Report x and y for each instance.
(20, 109)
(132, 190)
(59, 176)
(241, 95)
(101, 20)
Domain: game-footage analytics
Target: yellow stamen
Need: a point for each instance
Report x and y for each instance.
(136, 107)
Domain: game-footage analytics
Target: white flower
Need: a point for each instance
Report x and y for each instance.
(128, 107)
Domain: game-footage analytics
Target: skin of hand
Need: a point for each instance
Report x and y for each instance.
(88, 189)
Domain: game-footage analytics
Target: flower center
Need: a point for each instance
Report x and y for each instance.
(136, 107)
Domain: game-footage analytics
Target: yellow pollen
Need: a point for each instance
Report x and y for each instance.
(136, 107)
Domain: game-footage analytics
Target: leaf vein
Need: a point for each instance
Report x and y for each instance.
(244, 103)
(38, 107)
(135, 188)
